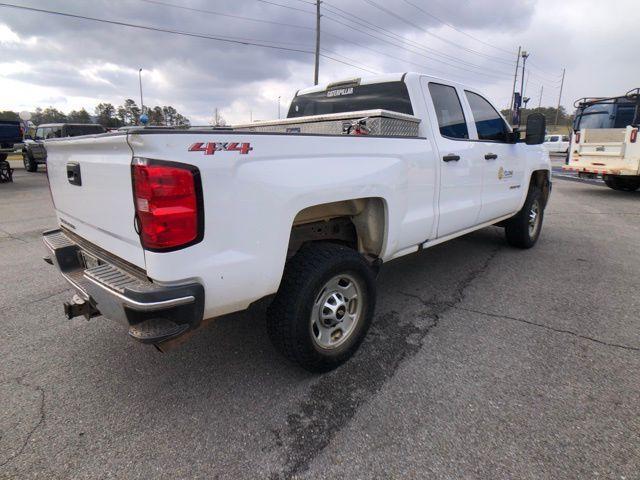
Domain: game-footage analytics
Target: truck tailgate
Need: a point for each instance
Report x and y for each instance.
(90, 181)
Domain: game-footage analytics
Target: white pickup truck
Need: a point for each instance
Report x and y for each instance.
(165, 229)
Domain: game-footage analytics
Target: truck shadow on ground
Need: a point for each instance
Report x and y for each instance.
(230, 375)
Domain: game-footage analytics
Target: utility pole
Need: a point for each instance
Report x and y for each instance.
(141, 102)
(540, 99)
(317, 69)
(278, 107)
(560, 96)
(515, 79)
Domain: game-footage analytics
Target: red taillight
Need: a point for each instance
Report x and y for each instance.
(577, 137)
(634, 135)
(21, 131)
(168, 202)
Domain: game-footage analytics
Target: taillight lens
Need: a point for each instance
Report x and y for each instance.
(634, 135)
(168, 202)
(577, 137)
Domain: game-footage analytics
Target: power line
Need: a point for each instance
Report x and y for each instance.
(455, 28)
(397, 38)
(378, 30)
(150, 28)
(481, 70)
(286, 6)
(240, 17)
(179, 32)
(408, 22)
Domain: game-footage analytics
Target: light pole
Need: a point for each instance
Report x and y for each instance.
(278, 107)
(525, 55)
(141, 102)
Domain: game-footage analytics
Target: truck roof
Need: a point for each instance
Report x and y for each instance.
(371, 79)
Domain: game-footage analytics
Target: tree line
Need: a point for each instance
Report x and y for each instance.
(564, 119)
(107, 115)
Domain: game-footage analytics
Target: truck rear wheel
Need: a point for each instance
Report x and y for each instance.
(523, 230)
(324, 306)
(624, 184)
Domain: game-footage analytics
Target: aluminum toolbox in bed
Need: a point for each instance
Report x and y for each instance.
(377, 122)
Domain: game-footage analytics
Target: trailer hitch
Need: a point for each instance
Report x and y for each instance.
(80, 307)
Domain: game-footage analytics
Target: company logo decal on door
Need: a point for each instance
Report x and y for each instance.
(502, 173)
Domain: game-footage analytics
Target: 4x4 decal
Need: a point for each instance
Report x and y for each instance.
(212, 147)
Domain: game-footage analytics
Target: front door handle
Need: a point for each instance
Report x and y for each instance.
(451, 158)
(490, 156)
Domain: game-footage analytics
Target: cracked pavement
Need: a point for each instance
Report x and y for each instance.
(482, 362)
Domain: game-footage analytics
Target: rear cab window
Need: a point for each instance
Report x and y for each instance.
(489, 124)
(392, 96)
(451, 119)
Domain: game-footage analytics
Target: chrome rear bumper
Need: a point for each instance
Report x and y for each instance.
(122, 292)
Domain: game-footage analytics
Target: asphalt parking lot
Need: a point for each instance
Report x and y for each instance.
(483, 362)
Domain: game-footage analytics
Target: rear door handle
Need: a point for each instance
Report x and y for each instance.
(451, 158)
(73, 173)
(490, 156)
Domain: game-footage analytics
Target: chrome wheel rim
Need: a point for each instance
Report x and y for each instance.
(534, 219)
(336, 311)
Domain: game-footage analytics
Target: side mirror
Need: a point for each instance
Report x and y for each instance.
(536, 128)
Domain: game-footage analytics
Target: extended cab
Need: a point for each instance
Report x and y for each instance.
(163, 230)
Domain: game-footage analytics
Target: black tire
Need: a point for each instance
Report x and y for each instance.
(29, 162)
(302, 293)
(3, 156)
(519, 230)
(622, 184)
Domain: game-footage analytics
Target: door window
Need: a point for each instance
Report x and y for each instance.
(489, 123)
(554, 138)
(449, 111)
(565, 138)
(39, 134)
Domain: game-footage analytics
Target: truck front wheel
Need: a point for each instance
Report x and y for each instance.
(324, 306)
(523, 230)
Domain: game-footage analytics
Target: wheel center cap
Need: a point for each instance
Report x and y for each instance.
(340, 312)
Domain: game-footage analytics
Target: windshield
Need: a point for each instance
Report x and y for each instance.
(385, 96)
(77, 130)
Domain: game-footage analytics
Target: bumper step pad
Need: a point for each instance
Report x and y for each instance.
(156, 330)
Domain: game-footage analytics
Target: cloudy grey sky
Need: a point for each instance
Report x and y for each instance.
(69, 63)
